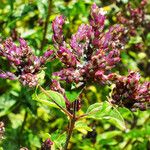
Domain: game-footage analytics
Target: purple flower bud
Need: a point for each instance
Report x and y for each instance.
(57, 29)
(11, 76)
(55, 86)
(22, 42)
(7, 75)
(97, 21)
(47, 54)
(29, 79)
(47, 144)
(80, 40)
(97, 18)
(99, 75)
(69, 75)
(3, 75)
(67, 57)
(17, 62)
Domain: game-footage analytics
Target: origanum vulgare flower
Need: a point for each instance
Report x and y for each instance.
(91, 53)
(128, 92)
(133, 18)
(22, 59)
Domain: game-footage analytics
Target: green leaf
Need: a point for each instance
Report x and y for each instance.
(110, 134)
(55, 96)
(41, 4)
(34, 140)
(41, 77)
(7, 103)
(106, 111)
(148, 39)
(135, 133)
(28, 33)
(82, 127)
(98, 109)
(46, 136)
(135, 40)
(58, 139)
(108, 137)
(73, 95)
(115, 117)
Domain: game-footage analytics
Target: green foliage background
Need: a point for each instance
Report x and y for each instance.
(28, 122)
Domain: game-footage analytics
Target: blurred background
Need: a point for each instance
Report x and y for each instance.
(28, 122)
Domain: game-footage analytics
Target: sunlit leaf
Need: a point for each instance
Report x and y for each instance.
(106, 111)
(73, 95)
(82, 127)
(55, 96)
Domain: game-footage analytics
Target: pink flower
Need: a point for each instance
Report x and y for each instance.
(90, 50)
(130, 93)
(22, 59)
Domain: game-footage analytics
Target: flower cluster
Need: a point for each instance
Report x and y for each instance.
(135, 18)
(91, 53)
(22, 59)
(129, 93)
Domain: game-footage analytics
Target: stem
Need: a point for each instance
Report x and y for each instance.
(71, 125)
(46, 23)
(64, 110)
(22, 127)
(24, 122)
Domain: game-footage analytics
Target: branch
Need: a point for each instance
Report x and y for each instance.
(46, 24)
(71, 126)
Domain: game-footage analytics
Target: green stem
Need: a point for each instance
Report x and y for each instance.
(22, 127)
(24, 122)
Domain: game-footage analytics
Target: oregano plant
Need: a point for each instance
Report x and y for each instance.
(88, 57)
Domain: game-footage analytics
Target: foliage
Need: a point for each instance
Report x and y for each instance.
(51, 81)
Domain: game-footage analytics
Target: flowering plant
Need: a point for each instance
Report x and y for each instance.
(89, 57)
